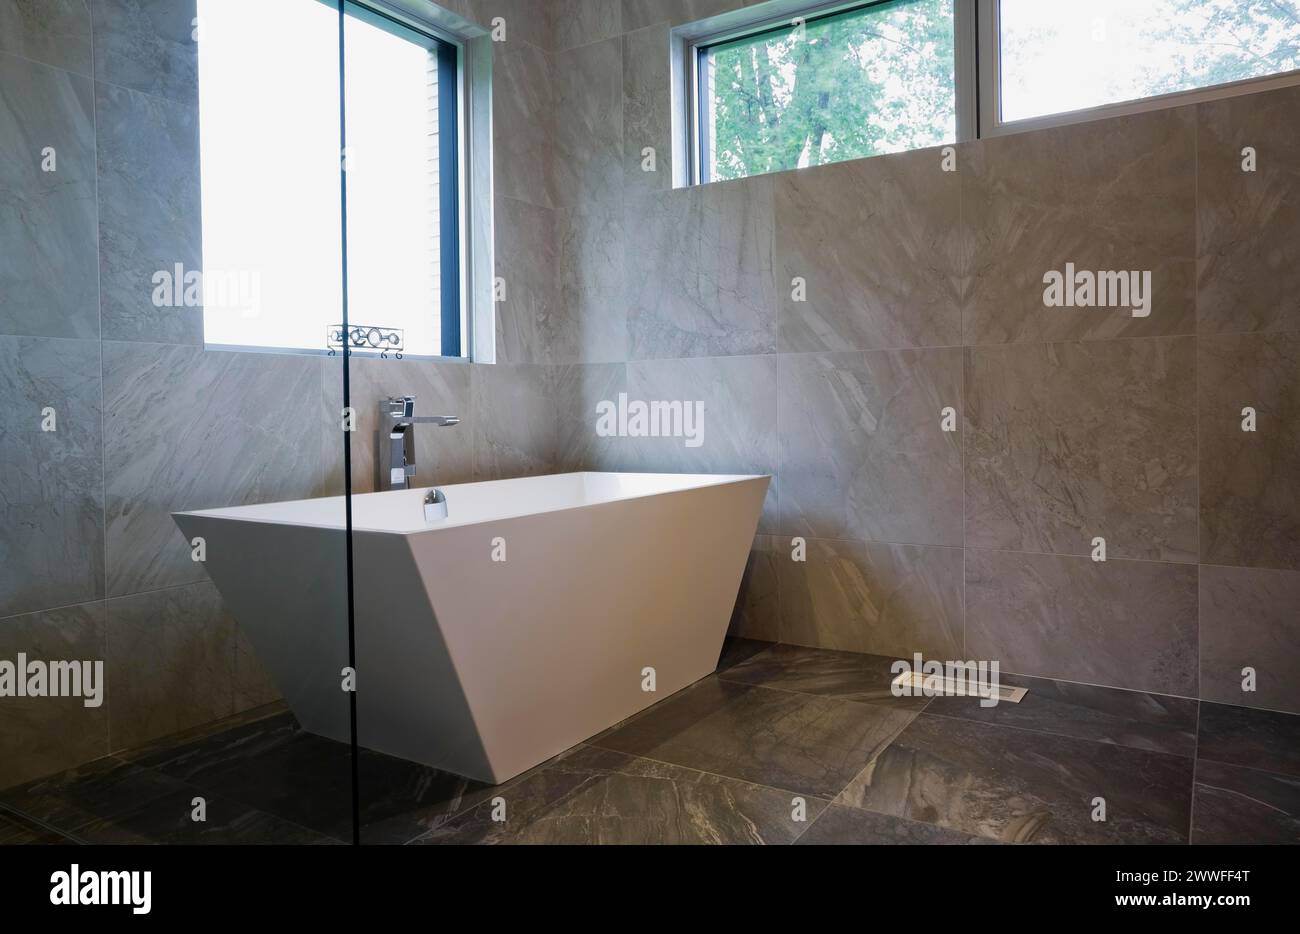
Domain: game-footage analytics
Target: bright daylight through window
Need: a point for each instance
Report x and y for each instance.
(846, 81)
(863, 82)
(270, 177)
(1058, 57)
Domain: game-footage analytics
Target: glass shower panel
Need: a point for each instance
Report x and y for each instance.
(409, 390)
(173, 577)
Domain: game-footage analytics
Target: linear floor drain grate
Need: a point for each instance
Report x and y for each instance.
(916, 684)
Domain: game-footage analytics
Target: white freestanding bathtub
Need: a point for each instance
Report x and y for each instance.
(478, 666)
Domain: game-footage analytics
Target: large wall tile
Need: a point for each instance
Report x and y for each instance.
(253, 686)
(150, 212)
(1248, 223)
(48, 266)
(757, 613)
(1071, 441)
(824, 598)
(578, 389)
(875, 598)
(647, 109)
(739, 431)
(47, 734)
(526, 20)
(588, 85)
(699, 266)
(526, 260)
(441, 387)
(523, 112)
(876, 243)
(1128, 624)
(1250, 507)
(55, 32)
(579, 22)
(51, 483)
(1249, 620)
(1109, 195)
(514, 419)
(171, 657)
(148, 45)
(862, 450)
(187, 429)
(591, 326)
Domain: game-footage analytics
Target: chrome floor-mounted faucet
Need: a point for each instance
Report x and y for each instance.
(395, 465)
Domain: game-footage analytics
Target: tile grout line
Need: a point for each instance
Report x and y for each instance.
(639, 714)
(187, 785)
(461, 815)
(108, 598)
(1249, 768)
(820, 814)
(829, 697)
(103, 395)
(965, 418)
(1196, 762)
(1019, 674)
(1196, 402)
(917, 348)
(14, 812)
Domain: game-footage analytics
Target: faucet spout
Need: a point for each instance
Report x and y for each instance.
(395, 463)
(445, 420)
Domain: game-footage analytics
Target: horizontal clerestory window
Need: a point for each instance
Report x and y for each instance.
(826, 82)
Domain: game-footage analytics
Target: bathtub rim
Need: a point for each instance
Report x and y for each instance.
(225, 513)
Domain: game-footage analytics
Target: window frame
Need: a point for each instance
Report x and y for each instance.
(474, 162)
(990, 88)
(976, 68)
(449, 56)
(460, 265)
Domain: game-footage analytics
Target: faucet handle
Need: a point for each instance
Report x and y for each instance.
(399, 406)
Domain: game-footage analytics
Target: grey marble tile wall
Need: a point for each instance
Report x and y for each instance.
(51, 482)
(47, 126)
(924, 296)
(523, 140)
(41, 735)
(147, 421)
(150, 211)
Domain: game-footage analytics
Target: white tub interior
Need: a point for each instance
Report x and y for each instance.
(469, 503)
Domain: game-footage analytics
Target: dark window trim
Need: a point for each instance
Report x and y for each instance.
(449, 195)
(448, 56)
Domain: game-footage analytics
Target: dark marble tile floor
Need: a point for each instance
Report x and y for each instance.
(782, 745)
(1155, 722)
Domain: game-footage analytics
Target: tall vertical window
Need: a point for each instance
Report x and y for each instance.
(868, 80)
(272, 215)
